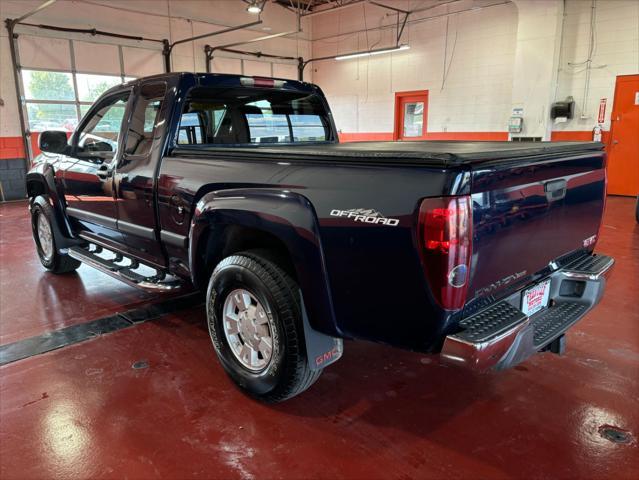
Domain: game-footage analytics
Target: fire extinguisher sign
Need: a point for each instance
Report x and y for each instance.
(602, 110)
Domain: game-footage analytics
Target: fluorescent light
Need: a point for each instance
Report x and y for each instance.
(372, 52)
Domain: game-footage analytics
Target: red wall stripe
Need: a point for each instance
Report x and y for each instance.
(388, 136)
(558, 136)
(11, 147)
(582, 136)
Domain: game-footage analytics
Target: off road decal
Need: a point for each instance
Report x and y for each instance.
(366, 216)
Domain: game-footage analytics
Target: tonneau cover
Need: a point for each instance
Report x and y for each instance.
(441, 153)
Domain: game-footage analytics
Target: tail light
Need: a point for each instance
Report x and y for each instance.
(445, 236)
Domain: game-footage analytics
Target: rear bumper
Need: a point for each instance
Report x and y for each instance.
(501, 336)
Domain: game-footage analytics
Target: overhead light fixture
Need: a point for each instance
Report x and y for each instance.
(368, 53)
(254, 7)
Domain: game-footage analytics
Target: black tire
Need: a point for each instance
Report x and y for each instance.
(637, 210)
(287, 374)
(55, 262)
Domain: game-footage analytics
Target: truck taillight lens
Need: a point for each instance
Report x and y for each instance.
(445, 236)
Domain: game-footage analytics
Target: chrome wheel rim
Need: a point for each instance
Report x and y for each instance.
(248, 330)
(45, 238)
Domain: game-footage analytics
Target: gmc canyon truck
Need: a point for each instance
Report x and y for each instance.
(238, 186)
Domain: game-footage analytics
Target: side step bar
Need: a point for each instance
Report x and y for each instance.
(125, 273)
(502, 336)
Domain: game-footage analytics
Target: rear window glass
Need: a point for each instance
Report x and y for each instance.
(214, 116)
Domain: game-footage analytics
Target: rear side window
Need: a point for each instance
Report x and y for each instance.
(141, 131)
(214, 116)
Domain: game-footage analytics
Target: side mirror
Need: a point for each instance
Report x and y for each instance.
(53, 141)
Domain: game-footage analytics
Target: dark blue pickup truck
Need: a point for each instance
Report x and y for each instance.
(238, 186)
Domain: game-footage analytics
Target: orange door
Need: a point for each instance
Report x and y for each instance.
(411, 113)
(623, 152)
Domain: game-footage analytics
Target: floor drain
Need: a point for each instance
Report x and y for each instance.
(140, 365)
(615, 434)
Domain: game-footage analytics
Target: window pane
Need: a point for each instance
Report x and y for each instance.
(40, 85)
(268, 128)
(51, 116)
(141, 128)
(307, 128)
(90, 87)
(99, 137)
(413, 119)
(245, 115)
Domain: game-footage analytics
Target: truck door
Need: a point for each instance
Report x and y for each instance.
(135, 175)
(88, 180)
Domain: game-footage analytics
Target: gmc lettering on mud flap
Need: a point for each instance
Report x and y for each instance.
(327, 356)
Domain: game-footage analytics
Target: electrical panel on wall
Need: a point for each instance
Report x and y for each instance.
(515, 124)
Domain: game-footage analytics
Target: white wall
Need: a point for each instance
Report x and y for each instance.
(506, 56)
(616, 52)
(475, 95)
(536, 63)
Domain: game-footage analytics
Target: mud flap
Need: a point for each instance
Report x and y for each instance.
(321, 349)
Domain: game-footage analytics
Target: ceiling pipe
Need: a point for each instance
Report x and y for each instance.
(415, 20)
(258, 39)
(334, 9)
(168, 46)
(90, 31)
(209, 52)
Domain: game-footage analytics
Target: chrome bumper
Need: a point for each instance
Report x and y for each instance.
(515, 336)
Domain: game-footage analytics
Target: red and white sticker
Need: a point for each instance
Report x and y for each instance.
(602, 110)
(536, 298)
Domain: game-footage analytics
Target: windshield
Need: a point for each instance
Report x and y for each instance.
(214, 116)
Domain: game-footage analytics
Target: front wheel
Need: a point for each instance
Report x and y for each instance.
(255, 323)
(42, 218)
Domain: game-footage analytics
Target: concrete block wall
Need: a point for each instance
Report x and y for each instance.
(464, 61)
(616, 52)
(12, 179)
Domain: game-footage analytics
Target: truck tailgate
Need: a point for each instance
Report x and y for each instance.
(529, 212)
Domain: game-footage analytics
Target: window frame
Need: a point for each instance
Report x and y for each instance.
(131, 109)
(75, 138)
(331, 133)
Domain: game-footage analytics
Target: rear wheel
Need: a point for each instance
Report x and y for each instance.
(255, 323)
(42, 218)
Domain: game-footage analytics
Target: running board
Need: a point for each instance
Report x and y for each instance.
(124, 272)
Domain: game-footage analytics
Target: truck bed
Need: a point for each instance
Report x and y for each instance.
(431, 153)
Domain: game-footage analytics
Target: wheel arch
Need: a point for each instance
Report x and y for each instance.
(41, 187)
(281, 224)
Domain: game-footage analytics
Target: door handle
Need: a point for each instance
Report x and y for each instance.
(555, 189)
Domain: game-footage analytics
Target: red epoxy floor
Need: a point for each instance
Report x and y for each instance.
(82, 411)
(33, 302)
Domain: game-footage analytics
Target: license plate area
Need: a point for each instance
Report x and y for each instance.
(535, 298)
